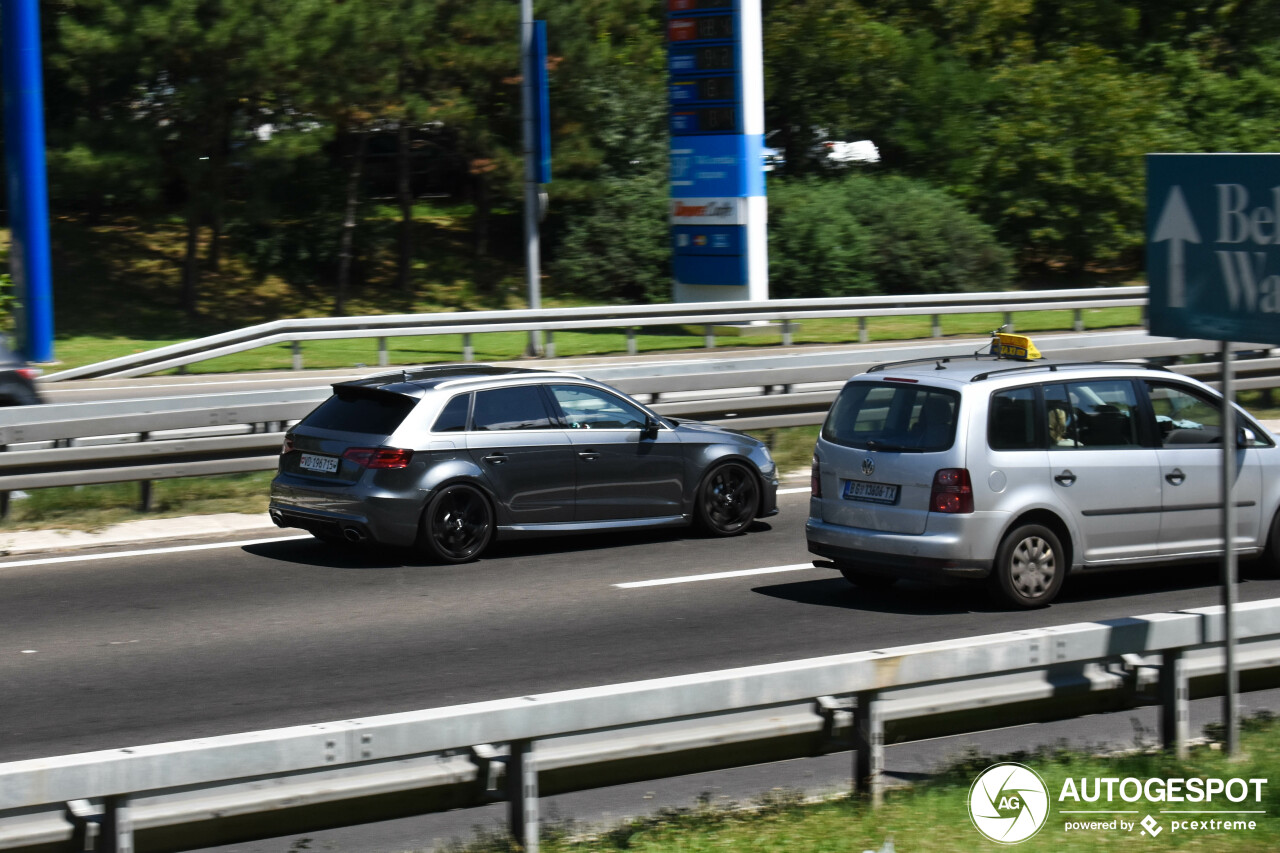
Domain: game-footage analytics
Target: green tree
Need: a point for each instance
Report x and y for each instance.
(1061, 174)
(865, 234)
(608, 236)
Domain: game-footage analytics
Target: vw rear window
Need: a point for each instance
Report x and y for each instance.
(362, 410)
(888, 416)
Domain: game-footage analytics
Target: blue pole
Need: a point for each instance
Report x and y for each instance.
(28, 193)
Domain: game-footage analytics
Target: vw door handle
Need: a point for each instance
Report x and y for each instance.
(588, 454)
(496, 458)
(1176, 476)
(1066, 478)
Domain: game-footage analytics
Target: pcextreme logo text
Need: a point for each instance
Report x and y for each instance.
(1009, 803)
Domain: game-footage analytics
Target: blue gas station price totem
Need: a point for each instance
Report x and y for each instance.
(716, 110)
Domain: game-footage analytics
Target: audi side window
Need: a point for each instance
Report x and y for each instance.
(591, 408)
(453, 417)
(517, 408)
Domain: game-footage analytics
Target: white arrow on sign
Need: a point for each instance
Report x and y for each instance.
(1176, 226)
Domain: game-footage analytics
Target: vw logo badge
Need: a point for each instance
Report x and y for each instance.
(868, 466)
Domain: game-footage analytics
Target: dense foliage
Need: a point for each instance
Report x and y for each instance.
(299, 137)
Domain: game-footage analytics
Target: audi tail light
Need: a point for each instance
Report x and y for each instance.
(287, 447)
(379, 457)
(952, 491)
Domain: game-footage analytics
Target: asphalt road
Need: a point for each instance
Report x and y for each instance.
(99, 652)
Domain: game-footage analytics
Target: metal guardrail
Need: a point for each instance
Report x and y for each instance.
(195, 793)
(707, 315)
(196, 435)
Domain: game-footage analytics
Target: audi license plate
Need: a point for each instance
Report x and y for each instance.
(319, 464)
(878, 493)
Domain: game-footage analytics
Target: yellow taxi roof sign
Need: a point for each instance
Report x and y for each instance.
(1009, 345)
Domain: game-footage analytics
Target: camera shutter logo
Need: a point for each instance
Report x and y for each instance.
(1008, 803)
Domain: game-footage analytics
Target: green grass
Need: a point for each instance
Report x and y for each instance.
(95, 507)
(932, 816)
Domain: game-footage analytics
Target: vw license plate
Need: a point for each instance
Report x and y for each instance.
(861, 490)
(319, 464)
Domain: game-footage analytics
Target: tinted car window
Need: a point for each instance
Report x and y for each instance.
(362, 410)
(453, 418)
(1011, 421)
(511, 408)
(591, 408)
(893, 417)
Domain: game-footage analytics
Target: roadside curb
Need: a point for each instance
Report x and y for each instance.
(135, 532)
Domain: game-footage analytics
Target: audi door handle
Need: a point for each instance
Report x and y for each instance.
(588, 454)
(1176, 476)
(1066, 478)
(496, 458)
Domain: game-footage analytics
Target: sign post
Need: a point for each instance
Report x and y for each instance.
(1213, 272)
(718, 210)
(29, 258)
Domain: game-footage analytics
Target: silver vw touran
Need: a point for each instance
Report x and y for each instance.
(1021, 472)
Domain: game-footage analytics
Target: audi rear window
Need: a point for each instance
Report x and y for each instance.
(889, 416)
(362, 410)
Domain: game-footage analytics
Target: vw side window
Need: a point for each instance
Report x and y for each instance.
(1011, 420)
(1188, 418)
(1105, 411)
(1060, 417)
(591, 408)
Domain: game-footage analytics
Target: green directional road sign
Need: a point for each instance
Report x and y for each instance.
(1213, 246)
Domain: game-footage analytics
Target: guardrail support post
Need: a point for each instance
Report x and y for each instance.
(632, 349)
(117, 826)
(936, 331)
(382, 352)
(1008, 321)
(4, 505)
(468, 352)
(868, 741)
(297, 354)
(863, 336)
(145, 502)
(549, 346)
(709, 337)
(1077, 322)
(1175, 722)
(786, 333)
(522, 795)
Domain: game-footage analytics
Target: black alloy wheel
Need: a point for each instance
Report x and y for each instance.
(458, 524)
(728, 499)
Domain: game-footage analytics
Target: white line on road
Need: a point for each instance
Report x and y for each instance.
(715, 576)
(795, 491)
(148, 552)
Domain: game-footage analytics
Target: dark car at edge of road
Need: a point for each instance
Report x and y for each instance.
(448, 458)
(17, 380)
